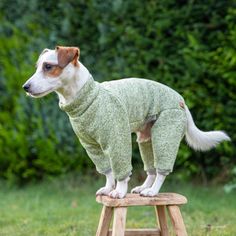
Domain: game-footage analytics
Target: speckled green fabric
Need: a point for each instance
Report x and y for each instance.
(103, 115)
(167, 133)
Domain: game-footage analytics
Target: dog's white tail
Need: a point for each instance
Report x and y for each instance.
(200, 140)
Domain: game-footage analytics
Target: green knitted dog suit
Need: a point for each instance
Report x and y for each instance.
(103, 116)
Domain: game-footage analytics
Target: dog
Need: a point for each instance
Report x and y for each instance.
(103, 116)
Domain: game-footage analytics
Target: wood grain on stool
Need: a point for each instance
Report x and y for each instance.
(161, 216)
(171, 201)
(177, 220)
(105, 220)
(140, 232)
(137, 200)
(119, 221)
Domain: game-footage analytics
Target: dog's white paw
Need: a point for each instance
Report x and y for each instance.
(148, 192)
(104, 191)
(138, 189)
(117, 194)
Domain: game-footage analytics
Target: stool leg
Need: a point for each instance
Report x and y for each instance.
(119, 221)
(177, 221)
(104, 222)
(161, 215)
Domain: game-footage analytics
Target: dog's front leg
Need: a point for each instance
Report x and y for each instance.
(121, 189)
(110, 184)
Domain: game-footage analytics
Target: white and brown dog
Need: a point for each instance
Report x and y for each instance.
(60, 71)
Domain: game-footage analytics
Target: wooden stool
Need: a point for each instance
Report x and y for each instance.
(171, 201)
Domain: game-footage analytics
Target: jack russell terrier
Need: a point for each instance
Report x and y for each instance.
(103, 116)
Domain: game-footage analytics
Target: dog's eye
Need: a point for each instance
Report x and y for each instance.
(47, 67)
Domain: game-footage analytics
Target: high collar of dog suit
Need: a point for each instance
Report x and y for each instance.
(84, 98)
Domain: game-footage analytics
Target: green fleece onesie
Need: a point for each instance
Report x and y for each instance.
(103, 116)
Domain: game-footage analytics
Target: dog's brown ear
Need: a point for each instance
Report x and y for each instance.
(66, 55)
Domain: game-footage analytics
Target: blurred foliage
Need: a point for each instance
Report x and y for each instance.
(188, 45)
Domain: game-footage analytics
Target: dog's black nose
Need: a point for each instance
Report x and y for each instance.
(26, 87)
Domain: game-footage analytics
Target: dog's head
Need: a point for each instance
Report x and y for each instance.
(54, 69)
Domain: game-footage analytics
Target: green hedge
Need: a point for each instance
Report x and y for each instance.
(187, 45)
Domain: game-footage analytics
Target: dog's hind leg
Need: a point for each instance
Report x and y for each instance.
(167, 133)
(146, 153)
(147, 183)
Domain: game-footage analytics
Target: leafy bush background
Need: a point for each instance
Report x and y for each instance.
(188, 45)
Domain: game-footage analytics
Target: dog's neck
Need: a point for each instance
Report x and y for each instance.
(70, 90)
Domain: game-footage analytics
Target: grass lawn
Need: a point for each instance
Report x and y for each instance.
(66, 206)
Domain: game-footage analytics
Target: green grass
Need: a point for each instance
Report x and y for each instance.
(66, 206)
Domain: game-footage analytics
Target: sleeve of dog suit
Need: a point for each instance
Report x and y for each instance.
(97, 156)
(115, 140)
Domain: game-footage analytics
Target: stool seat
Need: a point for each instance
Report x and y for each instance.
(162, 199)
(163, 202)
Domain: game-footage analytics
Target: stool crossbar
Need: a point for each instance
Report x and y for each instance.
(161, 202)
